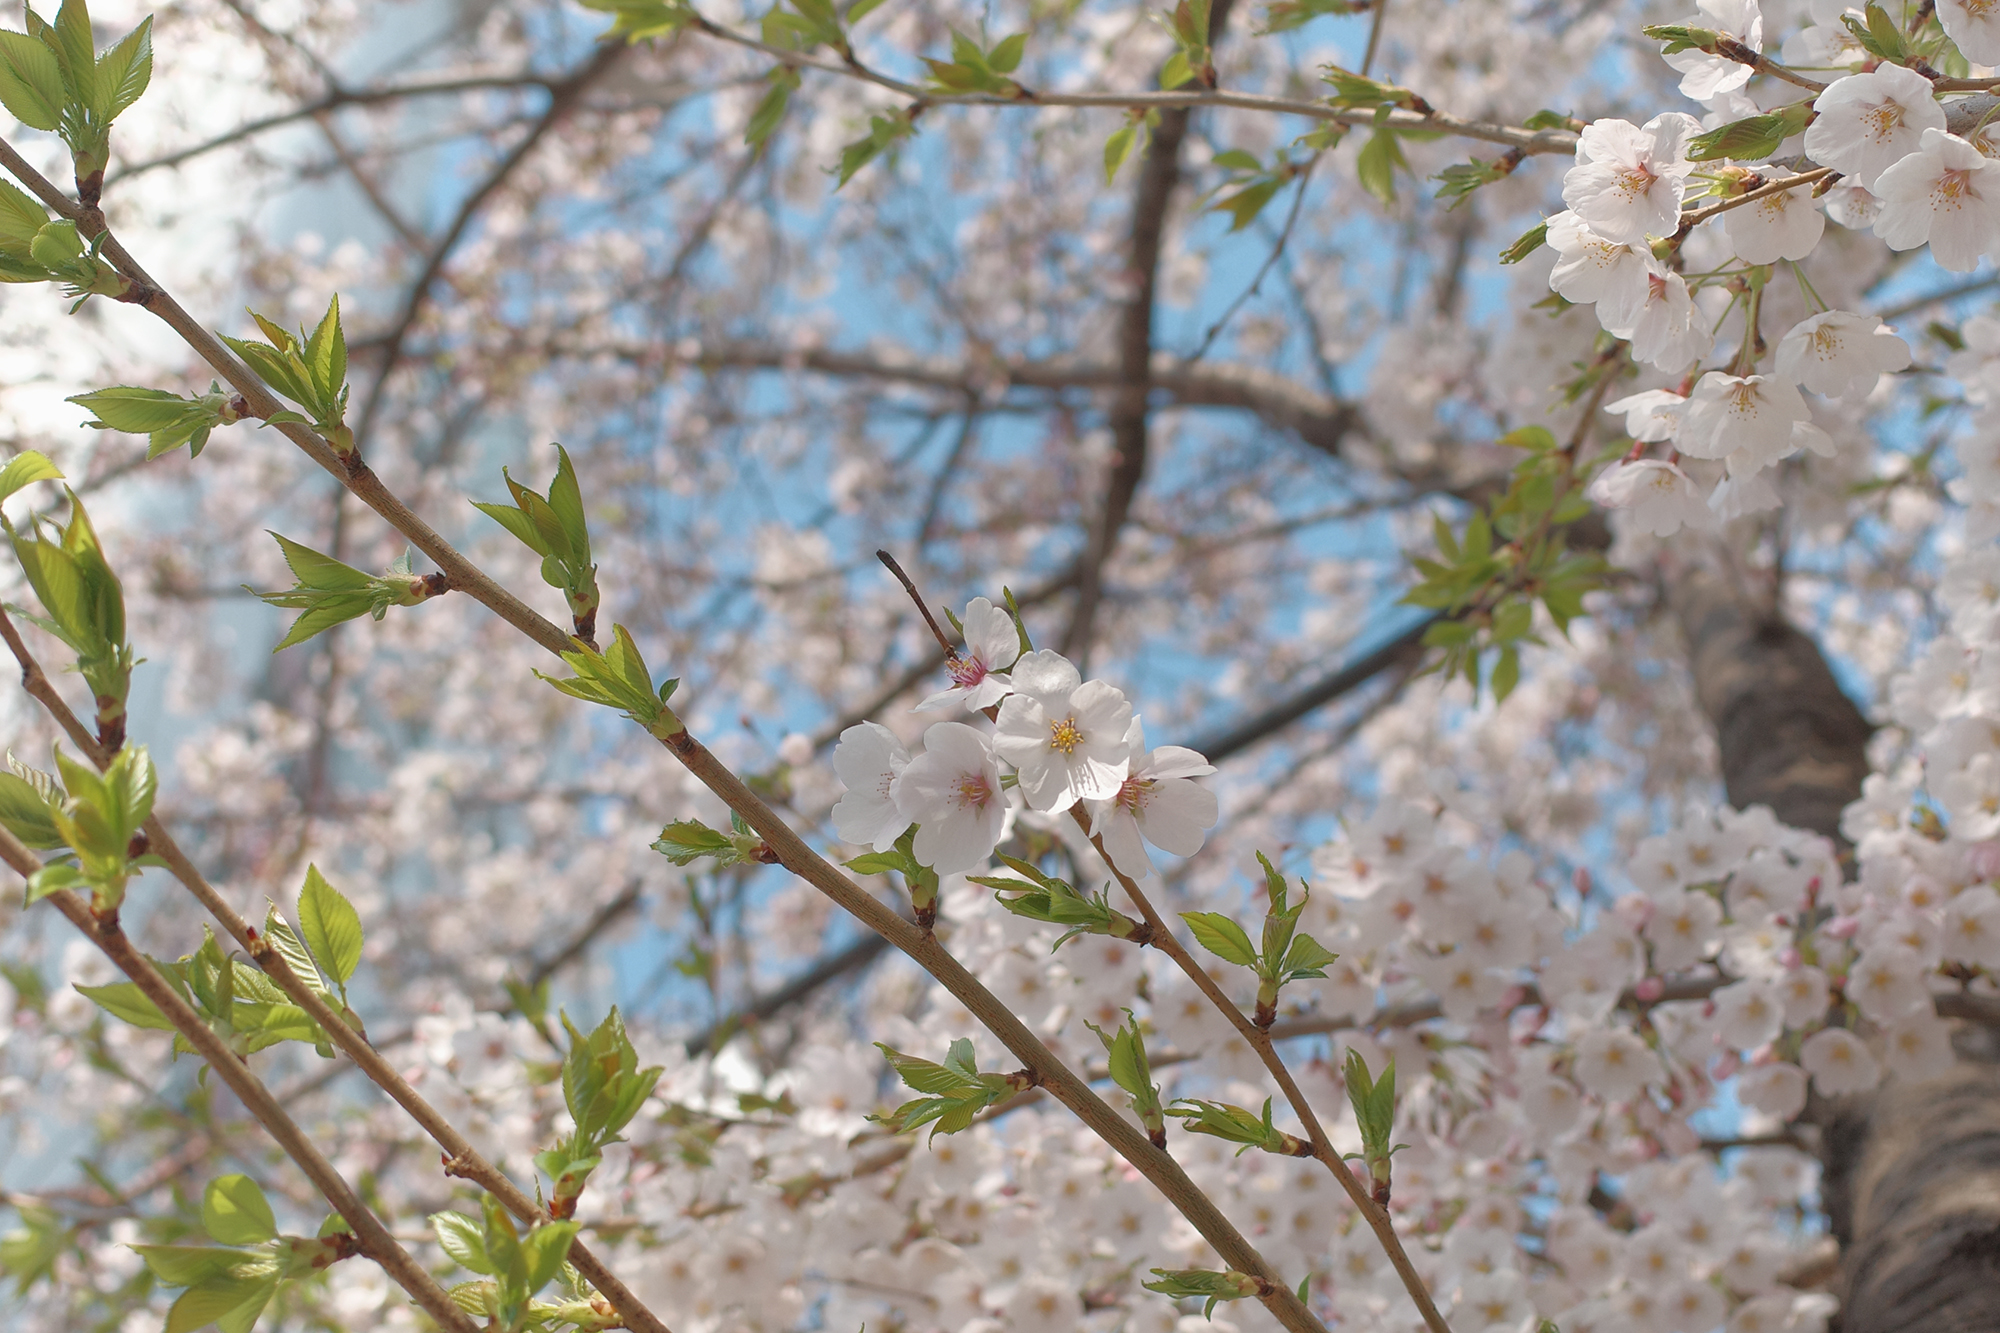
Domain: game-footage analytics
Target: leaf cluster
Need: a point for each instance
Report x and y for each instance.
(51, 78)
(1202, 1282)
(35, 249)
(954, 1091)
(1282, 955)
(1457, 181)
(1235, 1124)
(230, 1283)
(1192, 59)
(330, 593)
(686, 841)
(920, 879)
(1136, 130)
(1252, 185)
(95, 817)
(1039, 896)
(310, 369)
(884, 133)
(640, 20)
(237, 1001)
(1752, 138)
(617, 678)
(553, 527)
(1285, 15)
(1125, 1052)
(1488, 579)
(167, 420)
(978, 69)
(516, 1267)
(65, 565)
(603, 1087)
(1374, 1103)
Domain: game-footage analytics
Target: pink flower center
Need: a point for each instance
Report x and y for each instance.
(1635, 181)
(974, 791)
(1134, 796)
(1065, 735)
(1953, 185)
(966, 671)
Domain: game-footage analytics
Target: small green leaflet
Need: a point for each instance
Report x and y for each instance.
(330, 927)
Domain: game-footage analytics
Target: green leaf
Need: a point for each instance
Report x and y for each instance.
(124, 71)
(31, 85)
(1506, 672)
(1529, 241)
(330, 926)
(326, 354)
(231, 1303)
(25, 813)
(770, 112)
(189, 1265)
(1376, 165)
(462, 1238)
(1221, 937)
(235, 1212)
(314, 570)
(24, 469)
(544, 1251)
(1306, 958)
(687, 840)
(124, 1000)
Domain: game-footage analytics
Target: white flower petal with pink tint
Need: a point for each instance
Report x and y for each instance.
(978, 679)
(1868, 122)
(1748, 1014)
(1159, 802)
(867, 762)
(1785, 225)
(1065, 737)
(1704, 76)
(1918, 1048)
(1615, 1064)
(1590, 270)
(952, 793)
(1750, 416)
(1839, 1062)
(1839, 353)
(1628, 180)
(1665, 331)
(1659, 496)
(1777, 1089)
(1651, 416)
(1947, 194)
(1974, 28)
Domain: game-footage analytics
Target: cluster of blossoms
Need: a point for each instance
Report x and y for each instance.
(1067, 741)
(1881, 151)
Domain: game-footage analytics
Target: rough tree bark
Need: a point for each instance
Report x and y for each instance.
(1912, 1173)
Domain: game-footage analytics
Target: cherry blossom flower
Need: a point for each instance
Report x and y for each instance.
(1825, 43)
(1803, 992)
(1065, 737)
(978, 679)
(1868, 122)
(1703, 75)
(1785, 225)
(952, 793)
(1628, 180)
(1748, 1014)
(1839, 1062)
(1838, 353)
(1777, 1089)
(1947, 194)
(1972, 927)
(1589, 269)
(1743, 493)
(1974, 27)
(1615, 1064)
(867, 761)
(1917, 1047)
(1852, 205)
(1159, 802)
(1651, 416)
(1745, 419)
(1659, 496)
(1972, 796)
(1664, 331)
(1682, 929)
(1886, 983)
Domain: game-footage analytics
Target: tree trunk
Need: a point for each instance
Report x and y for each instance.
(1912, 1172)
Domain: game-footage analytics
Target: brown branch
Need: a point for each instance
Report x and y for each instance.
(374, 1239)
(564, 94)
(333, 101)
(465, 1160)
(1130, 434)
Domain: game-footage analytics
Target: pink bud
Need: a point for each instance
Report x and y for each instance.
(1580, 881)
(1650, 989)
(1841, 928)
(1791, 959)
(1678, 1139)
(1727, 1065)
(1984, 859)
